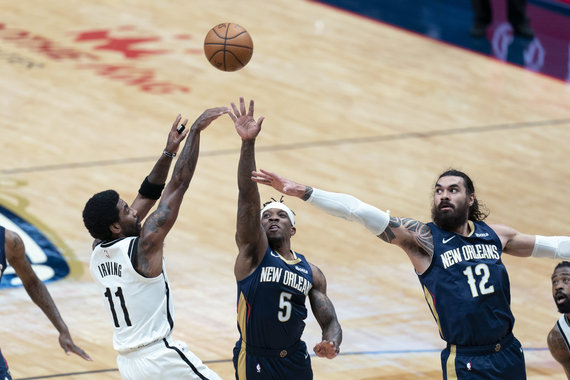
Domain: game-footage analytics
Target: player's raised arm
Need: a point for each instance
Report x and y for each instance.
(159, 223)
(337, 204)
(250, 237)
(413, 236)
(152, 186)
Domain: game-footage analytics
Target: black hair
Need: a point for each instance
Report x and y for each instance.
(100, 212)
(477, 212)
(562, 264)
(271, 200)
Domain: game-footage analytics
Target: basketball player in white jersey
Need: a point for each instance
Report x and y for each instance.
(559, 337)
(127, 262)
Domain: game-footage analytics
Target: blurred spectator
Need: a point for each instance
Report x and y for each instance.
(516, 15)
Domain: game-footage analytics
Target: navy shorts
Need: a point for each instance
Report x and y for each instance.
(501, 361)
(273, 365)
(4, 372)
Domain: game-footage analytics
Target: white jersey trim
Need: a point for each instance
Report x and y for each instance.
(564, 330)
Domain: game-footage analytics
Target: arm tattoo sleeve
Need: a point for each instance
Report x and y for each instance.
(388, 235)
(420, 231)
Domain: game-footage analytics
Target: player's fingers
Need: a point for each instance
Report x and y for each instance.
(236, 112)
(182, 126)
(250, 112)
(260, 121)
(242, 105)
(78, 351)
(269, 174)
(175, 124)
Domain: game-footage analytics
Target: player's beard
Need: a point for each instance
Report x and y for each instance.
(563, 307)
(133, 229)
(450, 220)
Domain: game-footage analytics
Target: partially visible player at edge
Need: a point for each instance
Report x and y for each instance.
(559, 337)
(457, 258)
(127, 263)
(273, 281)
(13, 252)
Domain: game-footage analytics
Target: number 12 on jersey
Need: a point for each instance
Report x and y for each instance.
(481, 270)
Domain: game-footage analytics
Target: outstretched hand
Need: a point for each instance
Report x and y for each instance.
(175, 138)
(208, 116)
(69, 347)
(326, 349)
(246, 126)
(281, 184)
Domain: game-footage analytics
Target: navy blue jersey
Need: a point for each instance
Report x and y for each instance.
(271, 304)
(3, 262)
(467, 287)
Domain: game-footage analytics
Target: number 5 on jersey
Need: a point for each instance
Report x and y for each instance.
(284, 307)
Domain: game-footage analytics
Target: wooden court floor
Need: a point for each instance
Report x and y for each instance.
(89, 90)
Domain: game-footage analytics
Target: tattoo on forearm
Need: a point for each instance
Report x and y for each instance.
(388, 235)
(158, 218)
(308, 192)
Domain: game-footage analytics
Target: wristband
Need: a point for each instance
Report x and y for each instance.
(168, 154)
(150, 190)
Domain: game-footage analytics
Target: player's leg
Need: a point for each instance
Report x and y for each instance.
(181, 363)
(482, 17)
(501, 361)
(292, 365)
(516, 13)
(164, 360)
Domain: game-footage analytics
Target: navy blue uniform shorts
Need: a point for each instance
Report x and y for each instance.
(4, 372)
(501, 361)
(273, 365)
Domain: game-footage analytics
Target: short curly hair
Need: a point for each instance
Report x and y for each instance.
(562, 264)
(100, 212)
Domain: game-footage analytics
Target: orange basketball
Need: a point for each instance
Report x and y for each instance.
(228, 46)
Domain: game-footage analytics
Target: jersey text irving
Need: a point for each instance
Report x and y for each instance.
(109, 268)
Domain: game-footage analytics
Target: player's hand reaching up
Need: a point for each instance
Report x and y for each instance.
(176, 135)
(281, 184)
(246, 126)
(326, 349)
(208, 116)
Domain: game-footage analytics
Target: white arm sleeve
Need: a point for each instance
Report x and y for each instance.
(553, 247)
(350, 208)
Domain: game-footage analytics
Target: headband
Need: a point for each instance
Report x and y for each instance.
(280, 206)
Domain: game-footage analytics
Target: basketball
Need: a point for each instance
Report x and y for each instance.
(228, 47)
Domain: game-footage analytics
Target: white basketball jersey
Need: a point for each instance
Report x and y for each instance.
(564, 329)
(140, 308)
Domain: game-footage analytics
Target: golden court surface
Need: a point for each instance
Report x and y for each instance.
(90, 89)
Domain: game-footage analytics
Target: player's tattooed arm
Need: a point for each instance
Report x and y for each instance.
(388, 234)
(149, 255)
(402, 228)
(325, 314)
(558, 349)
